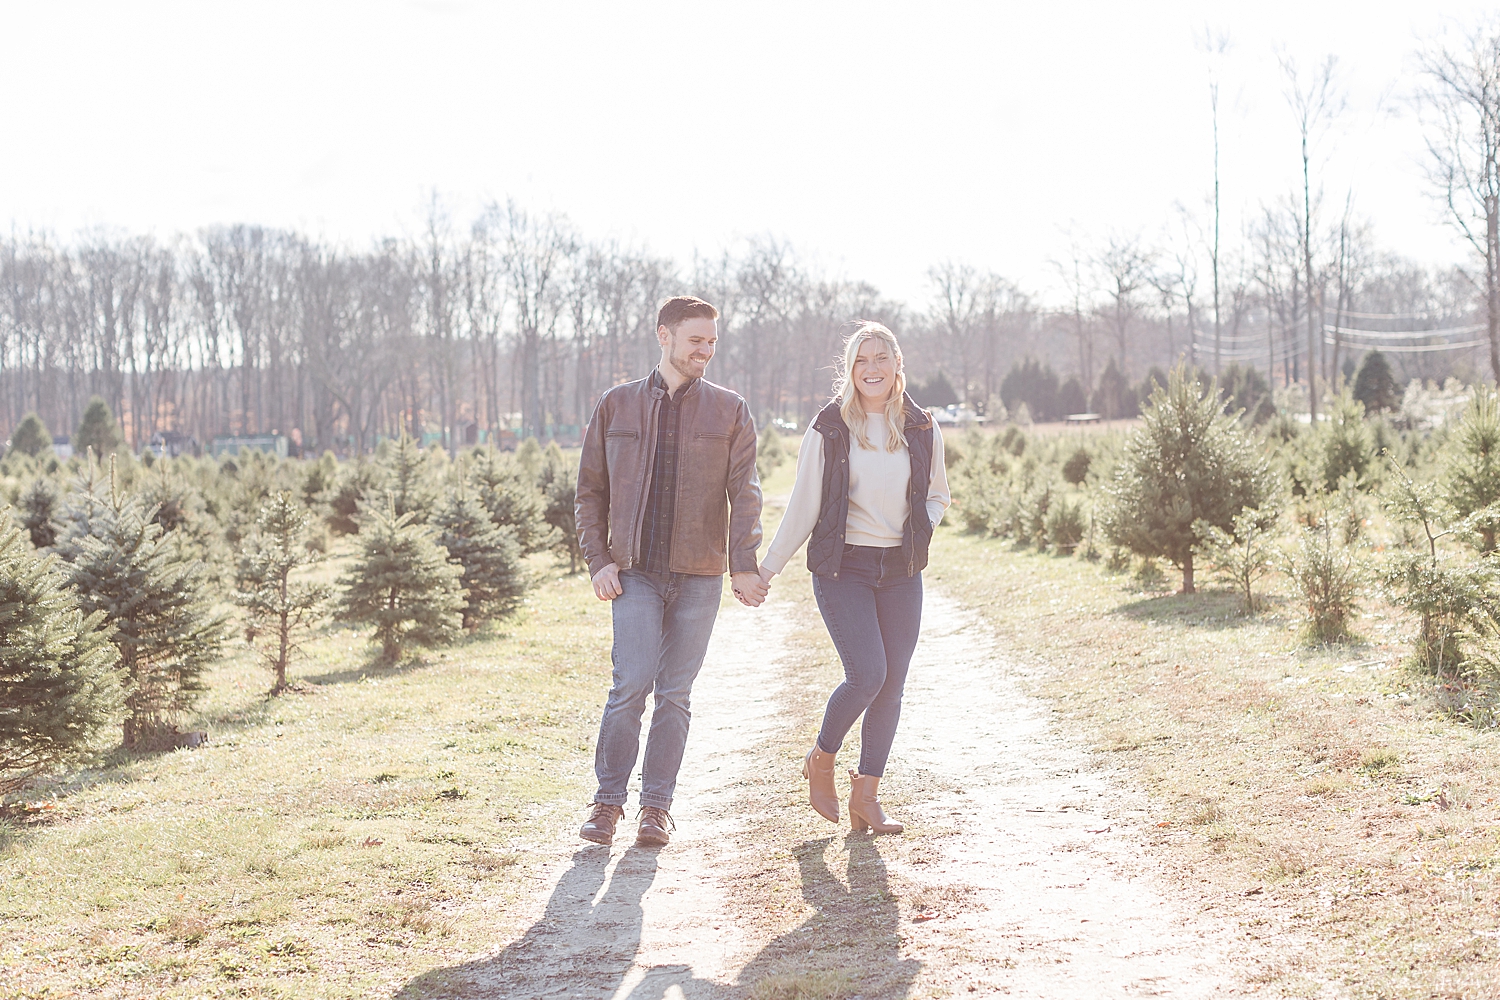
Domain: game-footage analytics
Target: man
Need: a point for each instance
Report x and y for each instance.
(667, 500)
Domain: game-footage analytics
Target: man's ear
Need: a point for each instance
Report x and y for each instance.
(663, 335)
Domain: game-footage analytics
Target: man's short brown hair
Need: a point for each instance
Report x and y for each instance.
(683, 307)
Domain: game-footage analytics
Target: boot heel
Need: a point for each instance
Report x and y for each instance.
(857, 822)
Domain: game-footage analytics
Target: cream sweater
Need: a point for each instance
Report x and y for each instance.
(877, 493)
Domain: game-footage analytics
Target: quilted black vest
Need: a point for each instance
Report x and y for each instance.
(825, 549)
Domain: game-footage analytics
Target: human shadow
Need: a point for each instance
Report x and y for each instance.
(584, 944)
(851, 944)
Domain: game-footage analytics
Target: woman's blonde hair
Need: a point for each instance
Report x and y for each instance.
(848, 395)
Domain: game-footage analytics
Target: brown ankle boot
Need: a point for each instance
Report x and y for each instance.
(600, 827)
(864, 809)
(656, 827)
(817, 768)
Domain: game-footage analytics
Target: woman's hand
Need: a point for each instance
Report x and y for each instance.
(749, 588)
(765, 577)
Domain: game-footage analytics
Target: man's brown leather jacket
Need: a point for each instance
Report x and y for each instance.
(718, 491)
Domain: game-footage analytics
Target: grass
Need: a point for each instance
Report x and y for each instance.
(333, 842)
(1310, 794)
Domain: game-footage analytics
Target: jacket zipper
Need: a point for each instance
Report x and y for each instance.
(640, 500)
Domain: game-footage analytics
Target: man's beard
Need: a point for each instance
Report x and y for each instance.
(686, 367)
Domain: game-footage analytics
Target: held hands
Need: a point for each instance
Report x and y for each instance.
(607, 583)
(750, 588)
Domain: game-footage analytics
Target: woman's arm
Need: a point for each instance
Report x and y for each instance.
(802, 510)
(938, 497)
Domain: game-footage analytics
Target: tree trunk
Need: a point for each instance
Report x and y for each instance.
(1187, 574)
(1492, 280)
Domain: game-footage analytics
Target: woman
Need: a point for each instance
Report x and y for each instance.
(870, 488)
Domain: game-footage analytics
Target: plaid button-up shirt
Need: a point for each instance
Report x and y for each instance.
(661, 501)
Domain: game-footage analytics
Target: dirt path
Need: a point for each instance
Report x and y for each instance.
(1024, 870)
(1049, 845)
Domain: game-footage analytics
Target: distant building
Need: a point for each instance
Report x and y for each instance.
(171, 444)
(62, 447)
(275, 444)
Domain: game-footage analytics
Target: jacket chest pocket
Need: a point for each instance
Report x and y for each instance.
(621, 445)
(709, 450)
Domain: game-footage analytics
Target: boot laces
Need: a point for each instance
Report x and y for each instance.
(658, 817)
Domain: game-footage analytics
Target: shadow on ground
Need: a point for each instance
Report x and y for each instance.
(851, 945)
(585, 943)
(1206, 609)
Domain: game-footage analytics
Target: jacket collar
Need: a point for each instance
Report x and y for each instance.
(658, 385)
(830, 418)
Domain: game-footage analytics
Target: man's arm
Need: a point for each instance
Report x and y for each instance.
(744, 496)
(591, 502)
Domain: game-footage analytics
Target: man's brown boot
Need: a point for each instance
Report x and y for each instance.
(654, 831)
(600, 827)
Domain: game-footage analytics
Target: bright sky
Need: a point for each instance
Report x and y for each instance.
(877, 138)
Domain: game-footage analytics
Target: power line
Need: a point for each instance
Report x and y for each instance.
(1416, 348)
(1402, 334)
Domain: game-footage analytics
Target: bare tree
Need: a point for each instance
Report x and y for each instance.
(1125, 265)
(1215, 45)
(1461, 103)
(1315, 103)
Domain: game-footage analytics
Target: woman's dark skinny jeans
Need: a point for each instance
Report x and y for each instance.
(873, 611)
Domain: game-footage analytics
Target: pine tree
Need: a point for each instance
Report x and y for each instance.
(407, 478)
(359, 483)
(156, 598)
(1345, 446)
(559, 485)
(30, 436)
(1188, 465)
(403, 584)
(1472, 475)
(280, 610)
(38, 504)
(509, 493)
(1374, 386)
(489, 554)
(97, 431)
(58, 687)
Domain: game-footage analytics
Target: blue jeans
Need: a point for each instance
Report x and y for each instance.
(873, 611)
(662, 624)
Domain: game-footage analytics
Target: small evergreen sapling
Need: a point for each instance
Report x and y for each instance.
(1189, 465)
(770, 453)
(1242, 556)
(403, 584)
(97, 431)
(1472, 476)
(157, 599)
(1448, 600)
(559, 485)
(38, 506)
(281, 611)
(58, 687)
(408, 475)
(509, 493)
(1329, 575)
(1374, 386)
(488, 553)
(30, 436)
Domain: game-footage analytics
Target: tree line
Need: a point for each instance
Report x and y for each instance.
(510, 324)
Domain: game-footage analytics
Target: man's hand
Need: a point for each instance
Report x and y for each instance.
(750, 588)
(607, 583)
